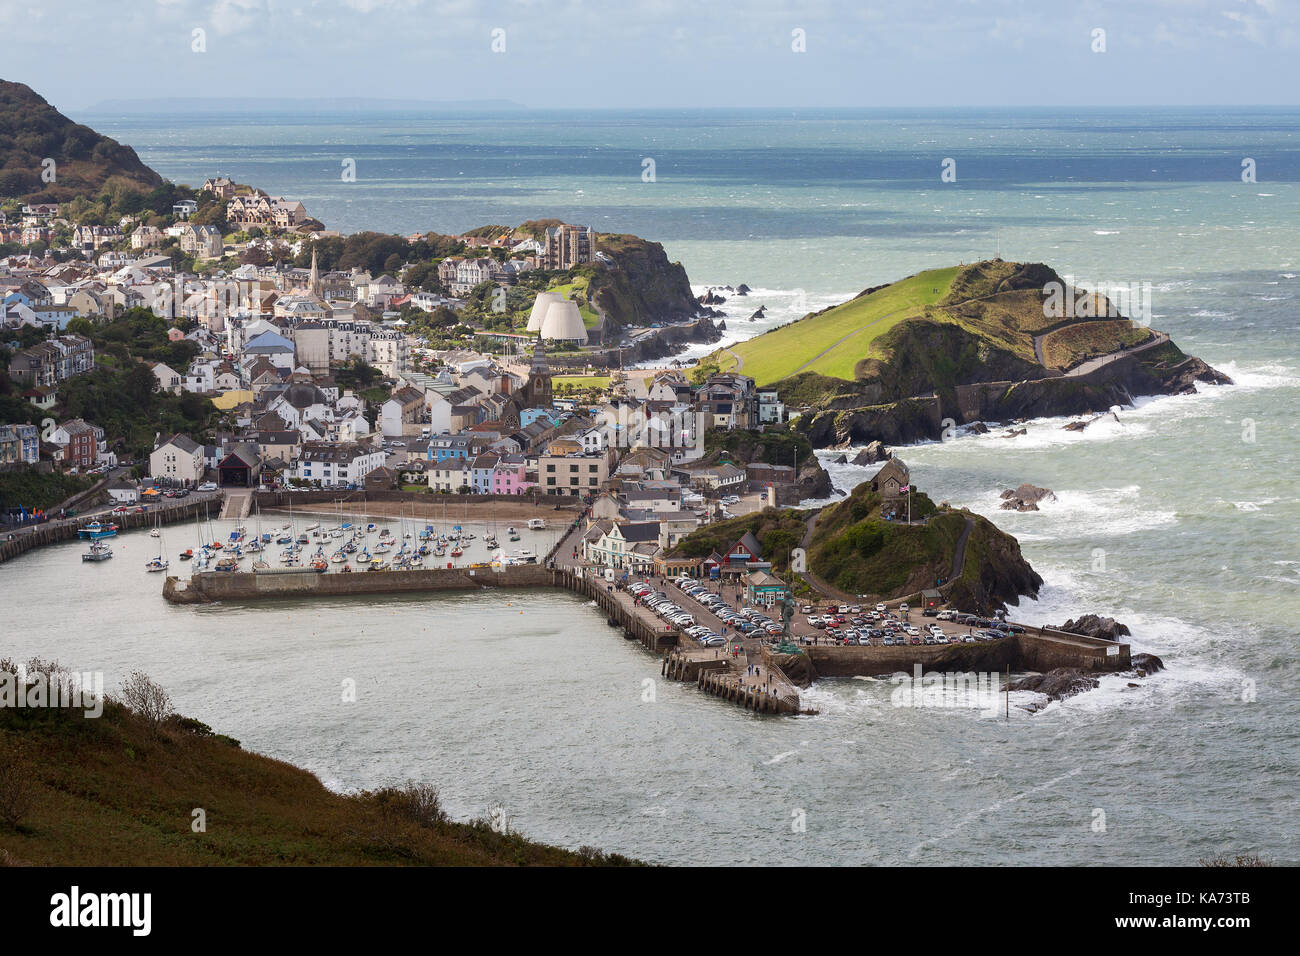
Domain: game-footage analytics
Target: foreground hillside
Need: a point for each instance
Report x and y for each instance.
(118, 791)
(966, 343)
(32, 131)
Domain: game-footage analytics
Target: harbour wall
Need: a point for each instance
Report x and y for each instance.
(1038, 649)
(53, 532)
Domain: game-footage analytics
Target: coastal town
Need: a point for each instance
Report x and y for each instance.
(462, 399)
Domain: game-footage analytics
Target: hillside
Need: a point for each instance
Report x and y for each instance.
(116, 791)
(895, 361)
(855, 549)
(32, 131)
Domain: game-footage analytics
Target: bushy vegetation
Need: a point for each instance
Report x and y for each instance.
(32, 131)
(31, 489)
(777, 531)
(856, 549)
(121, 789)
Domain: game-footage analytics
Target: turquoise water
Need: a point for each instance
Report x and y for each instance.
(543, 711)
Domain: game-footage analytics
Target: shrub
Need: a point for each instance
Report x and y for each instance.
(146, 699)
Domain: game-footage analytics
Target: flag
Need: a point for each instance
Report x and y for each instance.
(905, 488)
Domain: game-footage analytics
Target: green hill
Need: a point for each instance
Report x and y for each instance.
(856, 549)
(32, 132)
(997, 306)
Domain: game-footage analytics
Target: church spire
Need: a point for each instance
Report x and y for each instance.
(313, 280)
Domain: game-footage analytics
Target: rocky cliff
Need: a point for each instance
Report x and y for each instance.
(642, 287)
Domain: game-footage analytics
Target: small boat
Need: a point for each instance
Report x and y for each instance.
(284, 539)
(154, 533)
(96, 530)
(98, 552)
(339, 557)
(514, 535)
(226, 564)
(260, 565)
(370, 527)
(303, 539)
(313, 526)
(511, 530)
(156, 564)
(319, 564)
(187, 554)
(383, 547)
(523, 556)
(536, 524)
(456, 552)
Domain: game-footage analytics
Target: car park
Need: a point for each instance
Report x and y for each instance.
(880, 609)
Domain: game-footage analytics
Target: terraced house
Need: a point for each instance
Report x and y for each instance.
(334, 465)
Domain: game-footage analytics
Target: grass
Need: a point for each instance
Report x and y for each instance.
(1069, 346)
(845, 334)
(579, 285)
(580, 382)
(120, 791)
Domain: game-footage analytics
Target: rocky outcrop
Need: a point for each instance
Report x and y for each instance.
(759, 314)
(641, 287)
(1058, 684)
(979, 428)
(873, 454)
(1091, 625)
(840, 460)
(1144, 665)
(1026, 497)
(742, 289)
(711, 298)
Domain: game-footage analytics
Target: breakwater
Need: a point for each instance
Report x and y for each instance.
(23, 540)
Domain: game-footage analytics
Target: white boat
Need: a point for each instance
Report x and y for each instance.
(536, 524)
(313, 526)
(156, 564)
(155, 533)
(99, 551)
(523, 556)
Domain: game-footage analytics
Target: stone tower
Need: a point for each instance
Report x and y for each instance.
(538, 390)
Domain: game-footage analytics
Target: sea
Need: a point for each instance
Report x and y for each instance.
(1180, 517)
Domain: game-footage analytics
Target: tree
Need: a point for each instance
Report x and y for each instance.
(146, 699)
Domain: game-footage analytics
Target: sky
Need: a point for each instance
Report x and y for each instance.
(662, 53)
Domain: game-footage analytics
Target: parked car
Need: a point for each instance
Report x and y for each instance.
(208, 486)
(930, 612)
(880, 609)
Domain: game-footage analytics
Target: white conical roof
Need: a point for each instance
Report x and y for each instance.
(563, 323)
(540, 305)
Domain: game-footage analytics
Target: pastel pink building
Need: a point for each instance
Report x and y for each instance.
(510, 476)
